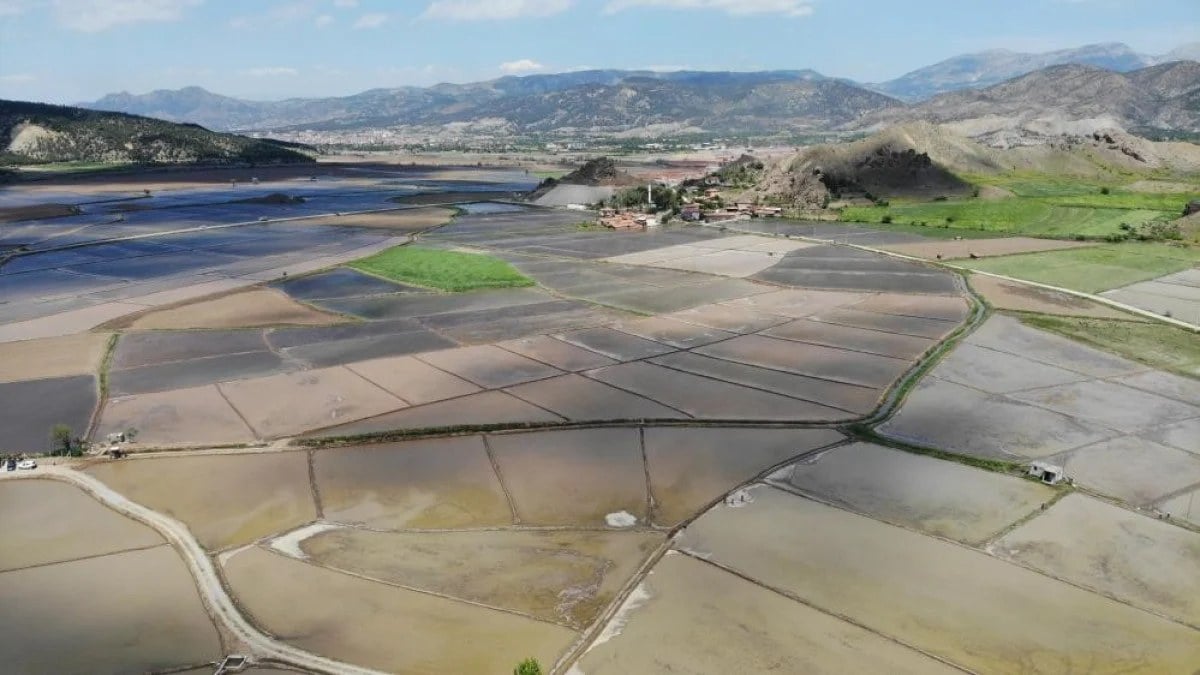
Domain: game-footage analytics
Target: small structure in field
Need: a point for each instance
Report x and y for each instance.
(1050, 474)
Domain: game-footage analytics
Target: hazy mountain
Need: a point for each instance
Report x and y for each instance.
(612, 99)
(36, 132)
(991, 67)
(1067, 99)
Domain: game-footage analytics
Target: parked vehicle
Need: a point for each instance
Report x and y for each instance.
(9, 465)
(26, 465)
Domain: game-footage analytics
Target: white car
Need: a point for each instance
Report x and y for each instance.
(26, 465)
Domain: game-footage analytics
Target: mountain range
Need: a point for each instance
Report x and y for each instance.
(609, 101)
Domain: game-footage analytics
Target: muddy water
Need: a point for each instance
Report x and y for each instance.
(979, 612)
(384, 627)
(564, 577)
(1146, 562)
(129, 612)
(441, 483)
(689, 468)
(225, 500)
(46, 521)
(942, 498)
(699, 619)
(574, 477)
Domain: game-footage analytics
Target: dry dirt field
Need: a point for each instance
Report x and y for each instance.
(259, 494)
(951, 249)
(957, 603)
(384, 627)
(690, 617)
(78, 354)
(1145, 562)
(561, 576)
(256, 307)
(46, 521)
(1009, 295)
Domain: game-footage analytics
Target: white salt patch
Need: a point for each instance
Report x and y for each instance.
(225, 557)
(289, 543)
(636, 599)
(621, 519)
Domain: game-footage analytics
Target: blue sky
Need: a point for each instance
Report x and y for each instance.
(75, 50)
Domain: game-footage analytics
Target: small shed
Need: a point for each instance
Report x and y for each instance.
(1050, 474)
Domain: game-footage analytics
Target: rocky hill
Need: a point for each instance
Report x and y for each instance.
(926, 161)
(36, 132)
(1069, 99)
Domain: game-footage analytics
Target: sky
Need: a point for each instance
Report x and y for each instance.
(67, 51)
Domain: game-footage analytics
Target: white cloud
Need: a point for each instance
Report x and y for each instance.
(521, 66)
(374, 20)
(283, 12)
(92, 16)
(323, 20)
(271, 71)
(792, 8)
(17, 78)
(345, 4)
(483, 10)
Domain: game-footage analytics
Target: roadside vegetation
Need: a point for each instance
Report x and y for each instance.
(1156, 344)
(1095, 268)
(442, 270)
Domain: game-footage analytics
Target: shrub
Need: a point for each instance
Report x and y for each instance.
(528, 667)
(949, 220)
(886, 219)
(1104, 191)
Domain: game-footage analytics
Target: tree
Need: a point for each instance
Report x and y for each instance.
(528, 667)
(60, 439)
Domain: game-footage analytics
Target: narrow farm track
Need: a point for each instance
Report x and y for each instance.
(208, 582)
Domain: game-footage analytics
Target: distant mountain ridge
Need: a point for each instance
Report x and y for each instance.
(606, 99)
(1065, 99)
(983, 69)
(613, 101)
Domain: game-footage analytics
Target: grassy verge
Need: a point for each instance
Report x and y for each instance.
(442, 270)
(1155, 344)
(932, 230)
(1096, 268)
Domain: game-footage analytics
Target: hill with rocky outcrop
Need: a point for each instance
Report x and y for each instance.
(926, 161)
(1067, 99)
(37, 133)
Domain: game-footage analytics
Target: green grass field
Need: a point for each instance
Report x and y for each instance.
(442, 270)
(1031, 216)
(1095, 268)
(1044, 205)
(1155, 344)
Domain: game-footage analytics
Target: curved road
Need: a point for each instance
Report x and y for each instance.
(208, 582)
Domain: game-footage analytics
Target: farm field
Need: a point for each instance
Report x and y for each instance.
(1096, 268)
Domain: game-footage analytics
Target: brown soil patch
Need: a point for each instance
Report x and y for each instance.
(12, 214)
(991, 193)
(964, 248)
(49, 521)
(383, 627)
(1019, 297)
(400, 219)
(225, 500)
(563, 577)
(78, 354)
(252, 308)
